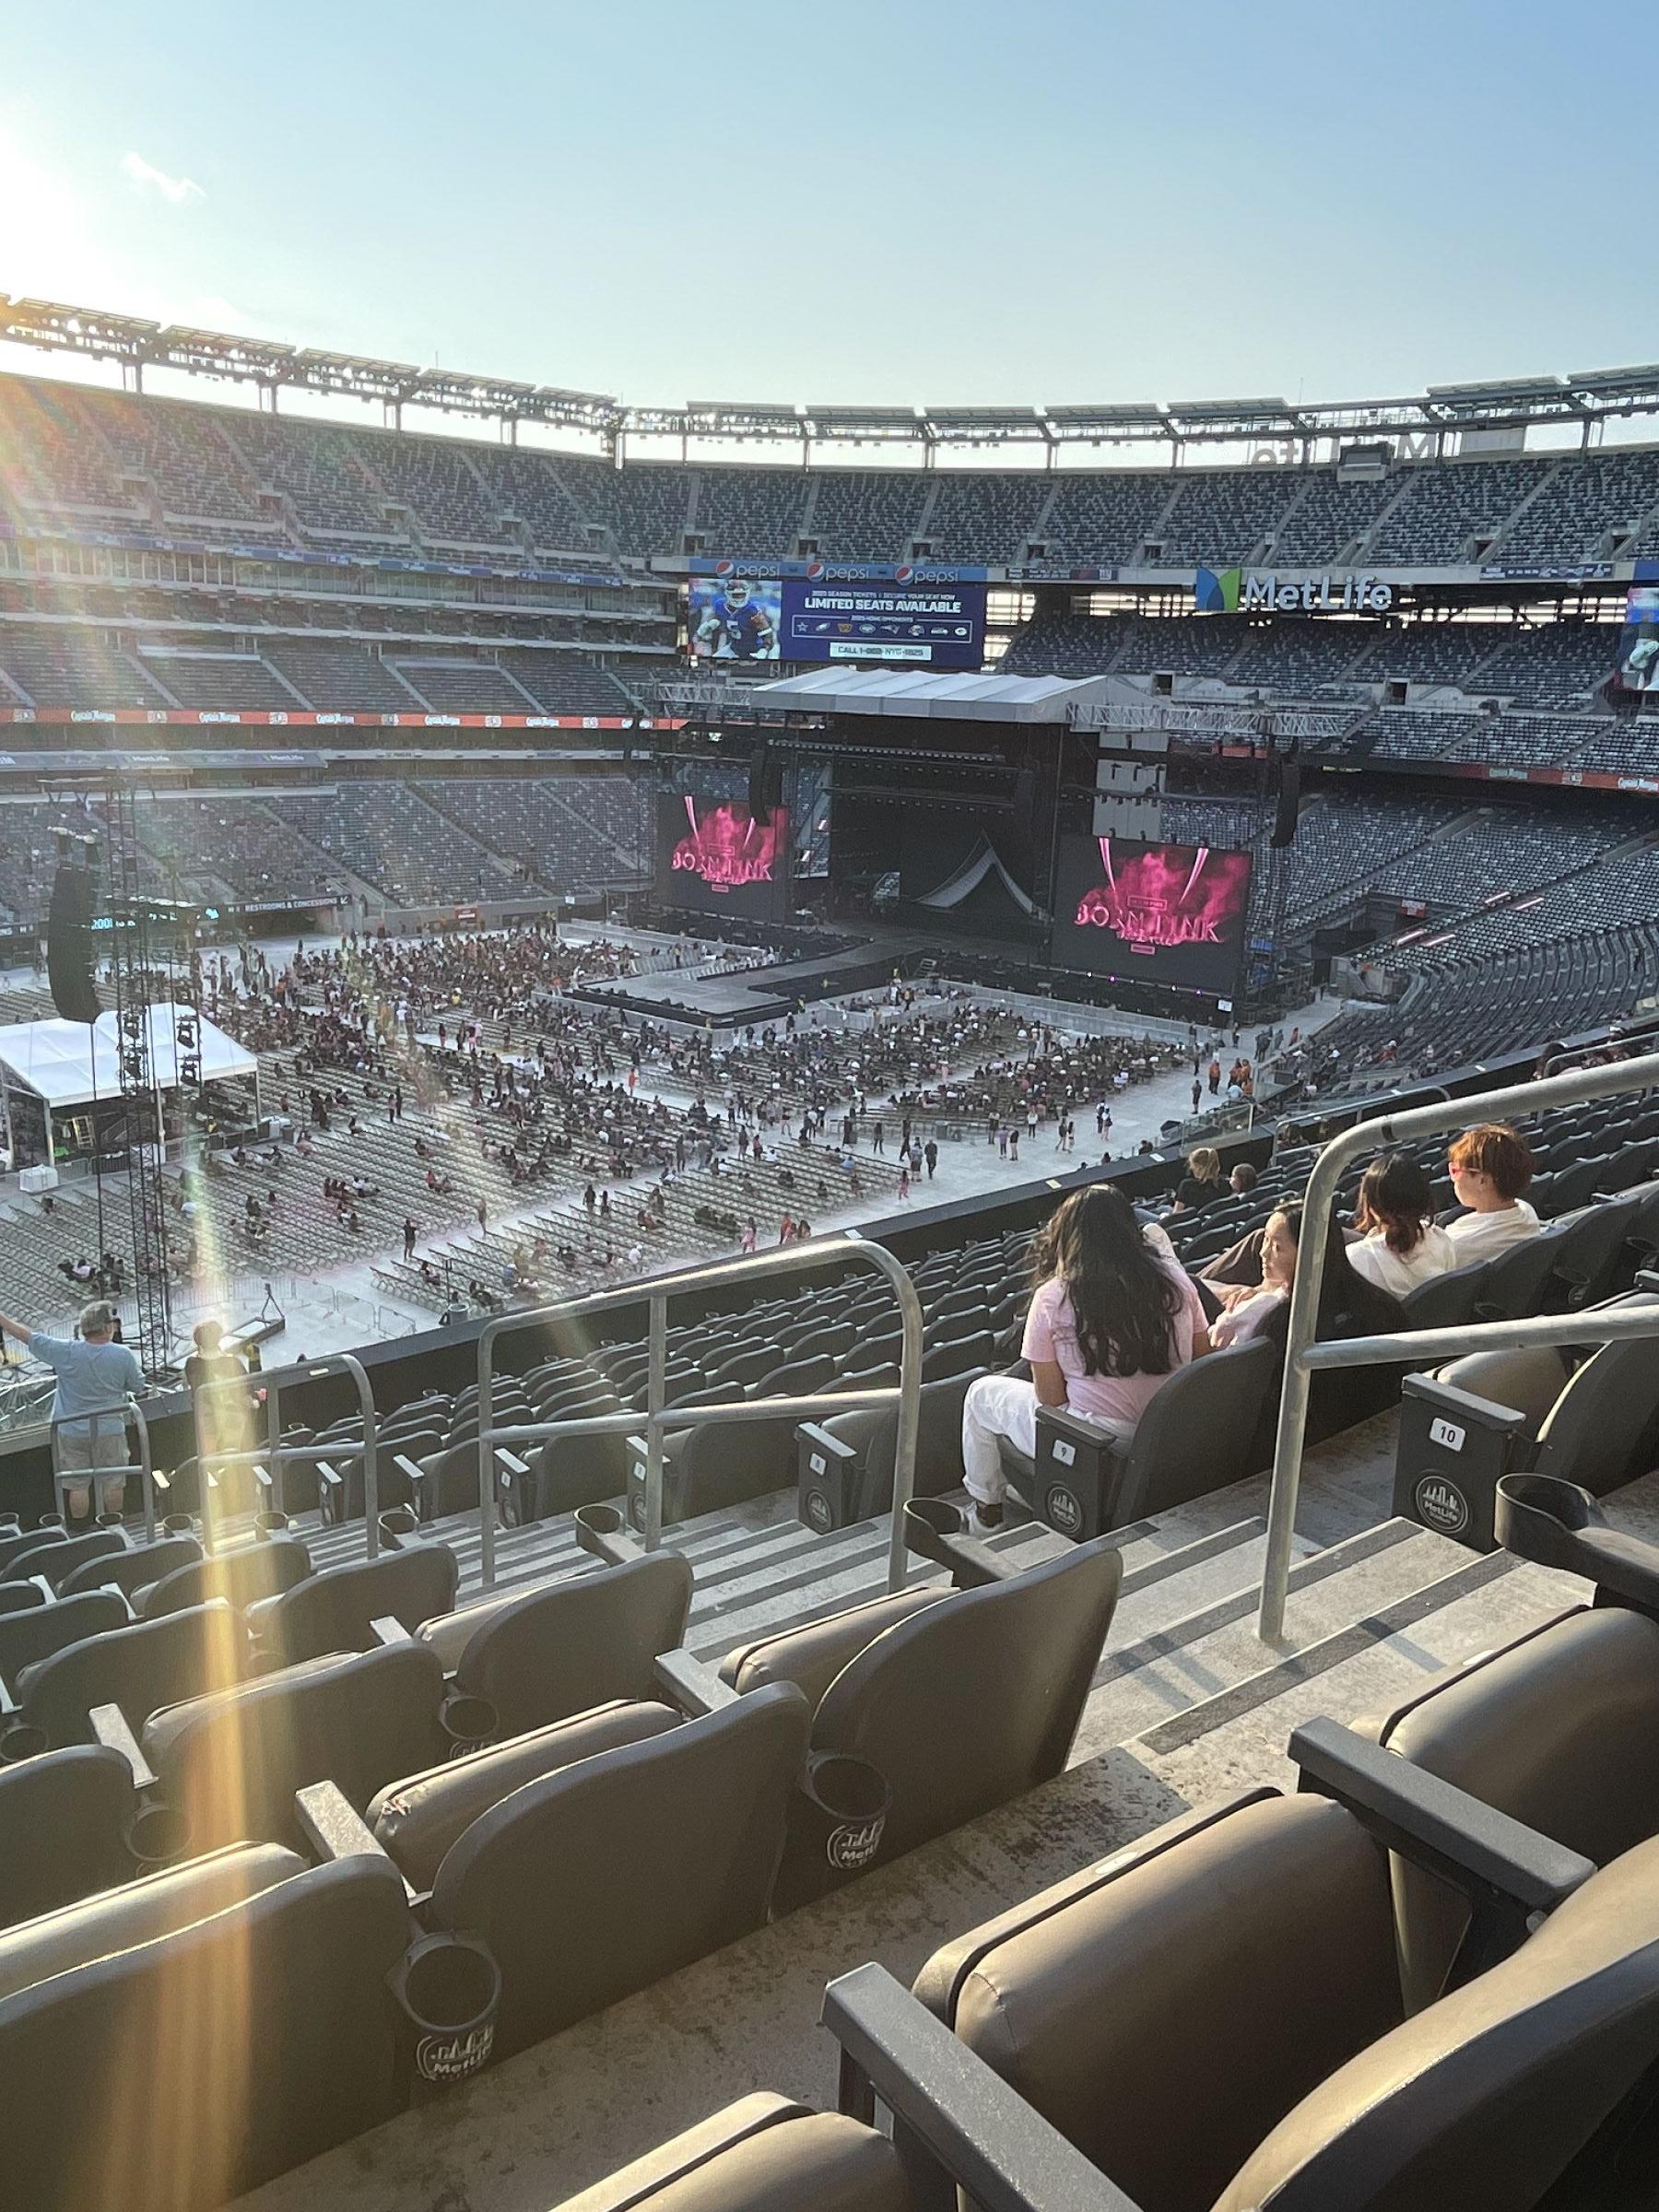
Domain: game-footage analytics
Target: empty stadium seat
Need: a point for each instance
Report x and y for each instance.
(30, 1636)
(539, 1655)
(63, 1823)
(599, 1877)
(139, 1669)
(300, 1966)
(763, 2154)
(229, 1765)
(336, 1611)
(956, 1701)
(418, 1817)
(1257, 1940)
(241, 1578)
(135, 1569)
(845, 1463)
(1559, 1729)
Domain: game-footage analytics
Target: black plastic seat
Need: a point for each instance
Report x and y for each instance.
(336, 1611)
(958, 1700)
(132, 1570)
(64, 1820)
(1260, 1937)
(571, 1471)
(231, 1764)
(241, 1578)
(606, 1875)
(306, 1960)
(57, 1558)
(541, 1655)
(28, 1636)
(139, 1669)
(16, 1542)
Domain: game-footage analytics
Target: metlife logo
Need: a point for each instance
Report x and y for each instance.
(1253, 591)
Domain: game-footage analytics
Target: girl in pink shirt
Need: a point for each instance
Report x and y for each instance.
(1112, 1317)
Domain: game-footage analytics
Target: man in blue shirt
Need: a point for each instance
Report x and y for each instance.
(94, 1375)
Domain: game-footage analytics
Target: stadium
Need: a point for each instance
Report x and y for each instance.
(831, 1247)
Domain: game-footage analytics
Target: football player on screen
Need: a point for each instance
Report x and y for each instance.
(737, 626)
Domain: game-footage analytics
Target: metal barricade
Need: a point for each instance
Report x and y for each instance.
(1303, 1357)
(659, 1418)
(267, 1462)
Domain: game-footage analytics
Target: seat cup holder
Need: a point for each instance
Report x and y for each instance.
(8, 1521)
(269, 1524)
(20, 1742)
(603, 1533)
(178, 1525)
(158, 1834)
(843, 1805)
(447, 1992)
(468, 1722)
(397, 1523)
(108, 1521)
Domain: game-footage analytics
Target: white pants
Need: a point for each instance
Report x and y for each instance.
(999, 1406)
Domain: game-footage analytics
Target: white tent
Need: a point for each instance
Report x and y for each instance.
(72, 1063)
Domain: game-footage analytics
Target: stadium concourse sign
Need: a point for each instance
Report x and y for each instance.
(1249, 591)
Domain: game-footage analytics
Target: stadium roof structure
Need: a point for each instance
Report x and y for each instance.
(1584, 398)
(947, 697)
(77, 1063)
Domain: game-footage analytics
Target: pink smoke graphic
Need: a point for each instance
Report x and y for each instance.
(1164, 895)
(730, 846)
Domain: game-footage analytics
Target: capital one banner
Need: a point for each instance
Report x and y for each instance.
(1169, 914)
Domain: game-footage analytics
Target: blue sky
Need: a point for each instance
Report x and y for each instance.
(959, 202)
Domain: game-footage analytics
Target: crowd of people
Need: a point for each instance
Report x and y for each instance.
(1114, 1315)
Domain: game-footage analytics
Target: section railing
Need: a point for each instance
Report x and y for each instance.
(660, 1419)
(269, 1460)
(1303, 1357)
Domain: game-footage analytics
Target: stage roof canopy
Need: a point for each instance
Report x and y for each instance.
(55, 1059)
(947, 697)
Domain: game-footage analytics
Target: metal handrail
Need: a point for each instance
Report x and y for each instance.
(658, 1417)
(1302, 1356)
(275, 1454)
(143, 1467)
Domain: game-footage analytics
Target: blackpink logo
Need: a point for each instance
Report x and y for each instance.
(1157, 897)
(728, 846)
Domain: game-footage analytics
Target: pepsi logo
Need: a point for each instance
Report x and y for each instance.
(903, 573)
(726, 568)
(815, 570)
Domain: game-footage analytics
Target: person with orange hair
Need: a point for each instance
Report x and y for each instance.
(1490, 1165)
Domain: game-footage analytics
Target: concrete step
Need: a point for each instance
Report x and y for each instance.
(1153, 1677)
(1236, 1739)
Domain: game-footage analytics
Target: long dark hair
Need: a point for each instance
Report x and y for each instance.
(1123, 1304)
(1397, 1197)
